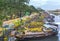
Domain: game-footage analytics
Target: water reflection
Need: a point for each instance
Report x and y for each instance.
(59, 32)
(59, 37)
(57, 21)
(50, 38)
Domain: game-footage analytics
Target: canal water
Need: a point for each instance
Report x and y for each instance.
(50, 38)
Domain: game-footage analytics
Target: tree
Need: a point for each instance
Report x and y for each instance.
(10, 7)
(40, 9)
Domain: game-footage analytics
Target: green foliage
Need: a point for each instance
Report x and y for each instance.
(10, 7)
(0, 23)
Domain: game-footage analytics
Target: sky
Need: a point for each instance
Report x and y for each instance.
(46, 4)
